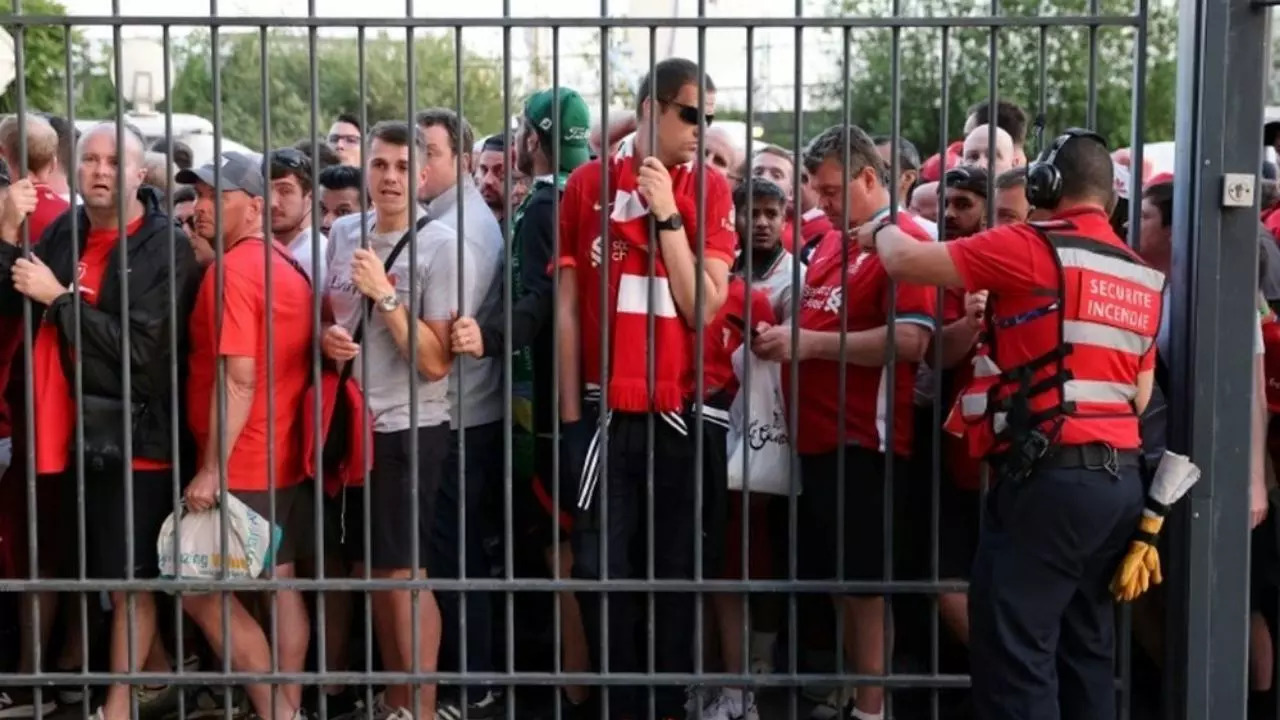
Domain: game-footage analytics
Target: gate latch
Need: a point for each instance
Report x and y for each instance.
(1237, 189)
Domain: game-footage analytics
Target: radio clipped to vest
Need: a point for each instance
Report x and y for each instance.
(1072, 390)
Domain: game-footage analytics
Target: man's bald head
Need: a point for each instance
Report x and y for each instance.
(722, 153)
(977, 153)
(135, 149)
(42, 143)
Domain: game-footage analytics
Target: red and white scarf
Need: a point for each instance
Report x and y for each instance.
(630, 288)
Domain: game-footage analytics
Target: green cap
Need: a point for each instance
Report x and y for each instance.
(575, 124)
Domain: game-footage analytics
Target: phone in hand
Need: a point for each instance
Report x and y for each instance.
(742, 326)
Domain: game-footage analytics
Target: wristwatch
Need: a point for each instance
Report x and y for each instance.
(882, 224)
(389, 303)
(673, 222)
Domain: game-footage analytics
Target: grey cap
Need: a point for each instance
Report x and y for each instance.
(237, 171)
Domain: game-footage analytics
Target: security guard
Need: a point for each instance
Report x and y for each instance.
(1068, 367)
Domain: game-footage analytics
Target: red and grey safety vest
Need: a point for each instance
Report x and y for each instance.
(1064, 360)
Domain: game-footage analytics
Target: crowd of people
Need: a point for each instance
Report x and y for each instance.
(816, 261)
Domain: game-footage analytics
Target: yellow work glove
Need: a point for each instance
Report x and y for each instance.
(1140, 568)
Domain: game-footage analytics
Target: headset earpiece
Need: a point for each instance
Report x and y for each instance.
(1044, 180)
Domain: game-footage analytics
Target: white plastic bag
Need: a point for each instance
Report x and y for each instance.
(766, 430)
(251, 543)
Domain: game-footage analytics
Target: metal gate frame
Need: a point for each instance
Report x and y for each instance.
(1220, 100)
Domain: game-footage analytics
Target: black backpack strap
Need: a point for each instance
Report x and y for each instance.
(358, 335)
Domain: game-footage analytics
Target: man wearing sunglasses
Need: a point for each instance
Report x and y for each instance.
(652, 206)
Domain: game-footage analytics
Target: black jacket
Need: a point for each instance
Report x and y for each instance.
(150, 326)
(532, 312)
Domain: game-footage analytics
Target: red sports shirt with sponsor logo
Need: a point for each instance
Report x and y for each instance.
(1021, 270)
(867, 297)
(581, 247)
(723, 336)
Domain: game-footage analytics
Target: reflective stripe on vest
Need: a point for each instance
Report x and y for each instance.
(1111, 303)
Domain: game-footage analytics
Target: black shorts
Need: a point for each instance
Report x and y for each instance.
(863, 510)
(391, 528)
(105, 547)
(541, 512)
(959, 518)
(715, 494)
(295, 516)
(1264, 564)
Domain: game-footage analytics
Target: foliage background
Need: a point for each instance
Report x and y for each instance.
(1062, 100)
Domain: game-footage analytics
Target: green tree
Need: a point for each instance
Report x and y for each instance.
(44, 60)
(1066, 91)
(337, 67)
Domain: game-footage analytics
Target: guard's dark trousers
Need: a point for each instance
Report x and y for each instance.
(1042, 619)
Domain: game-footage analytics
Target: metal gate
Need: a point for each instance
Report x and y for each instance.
(1203, 673)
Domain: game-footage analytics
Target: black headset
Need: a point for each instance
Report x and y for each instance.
(1044, 180)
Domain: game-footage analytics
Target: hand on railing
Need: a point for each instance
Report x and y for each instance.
(18, 204)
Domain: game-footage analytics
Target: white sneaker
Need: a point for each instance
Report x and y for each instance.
(732, 704)
(833, 706)
(696, 697)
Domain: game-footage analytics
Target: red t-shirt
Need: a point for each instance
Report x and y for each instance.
(963, 469)
(243, 333)
(52, 393)
(580, 247)
(722, 337)
(866, 390)
(814, 224)
(49, 206)
(1015, 264)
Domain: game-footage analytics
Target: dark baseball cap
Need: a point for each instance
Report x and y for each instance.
(575, 124)
(236, 171)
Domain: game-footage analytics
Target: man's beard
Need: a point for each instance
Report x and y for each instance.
(524, 162)
(955, 231)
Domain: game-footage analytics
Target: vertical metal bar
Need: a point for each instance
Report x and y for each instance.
(651, 131)
(220, 387)
(28, 316)
(1138, 122)
(1043, 101)
(268, 240)
(604, 485)
(126, 374)
(699, 333)
(935, 438)
(459, 369)
(1213, 294)
(318, 284)
(1093, 70)
(177, 421)
(891, 351)
(557, 605)
(842, 379)
(793, 378)
(78, 371)
(411, 376)
(365, 319)
(508, 555)
(748, 251)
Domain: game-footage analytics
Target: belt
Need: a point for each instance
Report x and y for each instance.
(1095, 456)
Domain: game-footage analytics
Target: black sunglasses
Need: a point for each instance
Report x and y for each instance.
(291, 158)
(691, 115)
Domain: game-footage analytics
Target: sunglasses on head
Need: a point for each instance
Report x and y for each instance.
(691, 115)
(291, 158)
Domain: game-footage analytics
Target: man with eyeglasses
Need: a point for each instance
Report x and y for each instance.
(654, 199)
(346, 138)
(290, 172)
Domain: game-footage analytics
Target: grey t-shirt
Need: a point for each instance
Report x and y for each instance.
(481, 384)
(388, 370)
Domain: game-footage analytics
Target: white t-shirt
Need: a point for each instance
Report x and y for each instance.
(301, 250)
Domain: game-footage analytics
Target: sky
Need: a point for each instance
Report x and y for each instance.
(725, 48)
